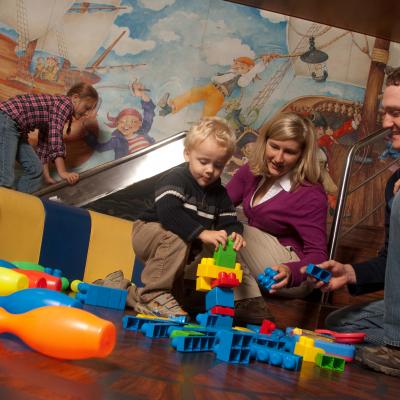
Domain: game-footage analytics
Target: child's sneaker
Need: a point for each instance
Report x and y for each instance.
(164, 305)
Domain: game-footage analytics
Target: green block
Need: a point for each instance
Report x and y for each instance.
(330, 362)
(177, 332)
(225, 257)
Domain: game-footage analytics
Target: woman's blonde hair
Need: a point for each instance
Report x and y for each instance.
(289, 126)
(214, 127)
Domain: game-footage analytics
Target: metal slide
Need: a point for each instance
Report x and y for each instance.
(119, 183)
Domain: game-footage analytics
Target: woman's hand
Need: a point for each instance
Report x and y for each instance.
(282, 277)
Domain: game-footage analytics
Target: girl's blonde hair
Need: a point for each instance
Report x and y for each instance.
(289, 126)
(214, 127)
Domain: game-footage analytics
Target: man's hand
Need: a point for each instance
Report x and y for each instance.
(214, 237)
(342, 275)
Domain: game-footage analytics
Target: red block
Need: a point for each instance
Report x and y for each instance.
(223, 311)
(225, 280)
(267, 327)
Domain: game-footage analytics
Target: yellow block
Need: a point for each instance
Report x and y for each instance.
(110, 247)
(208, 269)
(21, 226)
(306, 347)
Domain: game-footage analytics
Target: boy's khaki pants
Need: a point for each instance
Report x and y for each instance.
(165, 257)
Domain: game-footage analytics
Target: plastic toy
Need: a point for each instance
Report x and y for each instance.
(330, 362)
(266, 280)
(61, 332)
(36, 267)
(318, 273)
(29, 299)
(99, 295)
(225, 257)
(349, 338)
(40, 279)
(11, 281)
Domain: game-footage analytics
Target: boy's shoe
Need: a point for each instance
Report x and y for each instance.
(164, 106)
(114, 280)
(252, 311)
(385, 359)
(164, 305)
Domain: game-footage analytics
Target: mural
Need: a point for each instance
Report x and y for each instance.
(159, 65)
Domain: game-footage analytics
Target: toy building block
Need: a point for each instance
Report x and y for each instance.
(193, 343)
(330, 362)
(180, 332)
(318, 273)
(218, 310)
(207, 271)
(225, 257)
(233, 346)
(277, 358)
(345, 351)
(219, 297)
(217, 322)
(225, 280)
(267, 327)
(156, 330)
(135, 323)
(305, 347)
(266, 280)
(99, 295)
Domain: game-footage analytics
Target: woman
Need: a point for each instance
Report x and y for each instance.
(283, 200)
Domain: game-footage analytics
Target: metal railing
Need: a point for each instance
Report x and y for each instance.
(344, 192)
(344, 189)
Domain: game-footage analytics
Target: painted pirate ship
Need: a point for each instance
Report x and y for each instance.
(51, 44)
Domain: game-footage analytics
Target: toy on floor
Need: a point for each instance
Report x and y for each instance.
(11, 281)
(214, 331)
(349, 337)
(100, 296)
(61, 332)
(28, 299)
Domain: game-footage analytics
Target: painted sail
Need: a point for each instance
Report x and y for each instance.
(32, 18)
(81, 32)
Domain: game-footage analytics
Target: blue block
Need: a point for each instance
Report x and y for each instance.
(156, 329)
(266, 280)
(278, 358)
(193, 343)
(337, 349)
(102, 296)
(214, 321)
(233, 347)
(318, 273)
(220, 297)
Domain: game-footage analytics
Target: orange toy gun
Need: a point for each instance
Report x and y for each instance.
(61, 332)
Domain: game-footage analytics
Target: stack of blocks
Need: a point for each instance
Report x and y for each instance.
(218, 276)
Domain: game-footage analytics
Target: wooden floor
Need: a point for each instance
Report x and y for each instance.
(142, 368)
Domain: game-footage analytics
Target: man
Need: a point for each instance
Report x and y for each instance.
(379, 319)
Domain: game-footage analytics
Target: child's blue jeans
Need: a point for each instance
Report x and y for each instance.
(15, 148)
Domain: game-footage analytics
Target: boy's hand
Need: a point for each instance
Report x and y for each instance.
(70, 177)
(282, 277)
(238, 241)
(214, 237)
(342, 274)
